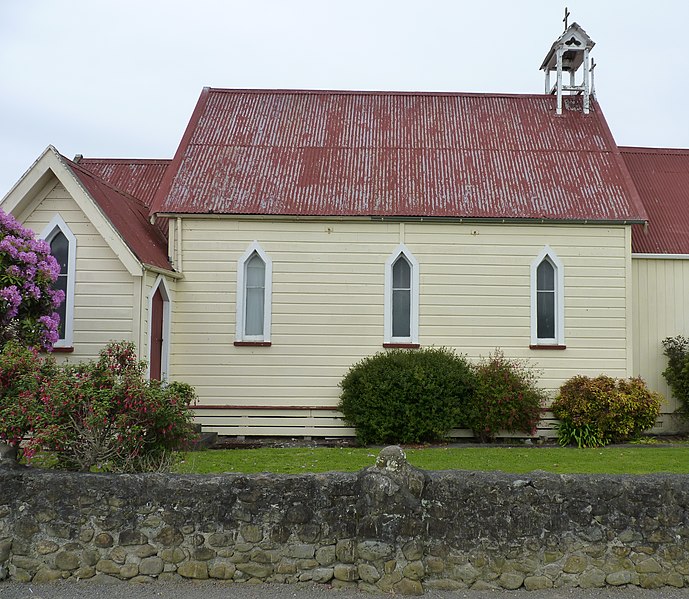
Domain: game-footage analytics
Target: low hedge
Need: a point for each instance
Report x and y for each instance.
(402, 396)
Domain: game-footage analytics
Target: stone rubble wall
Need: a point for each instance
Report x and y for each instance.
(389, 528)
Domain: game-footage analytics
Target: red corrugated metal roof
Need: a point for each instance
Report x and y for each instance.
(128, 216)
(397, 154)
(662, 178)
(137, 177)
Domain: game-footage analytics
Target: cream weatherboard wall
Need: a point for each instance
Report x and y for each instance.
(105, 292)
(661, 296)
(328, 298)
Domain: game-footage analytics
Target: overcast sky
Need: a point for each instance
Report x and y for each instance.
(120, 78)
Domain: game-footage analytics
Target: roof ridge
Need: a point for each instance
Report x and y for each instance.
(411, 148)
(652, 150)
(348, 92)
(127, 160)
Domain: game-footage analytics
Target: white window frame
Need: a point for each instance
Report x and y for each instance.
(547, 253)
(402, 250)
(160, 283)
(57, 224)
(241, 295)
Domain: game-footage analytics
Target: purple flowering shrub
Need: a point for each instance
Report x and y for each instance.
(28, 303)
(102, 414)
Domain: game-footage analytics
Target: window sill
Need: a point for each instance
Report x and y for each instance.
(557, 347)
(402, 345)
(252, 343)
(62, 350)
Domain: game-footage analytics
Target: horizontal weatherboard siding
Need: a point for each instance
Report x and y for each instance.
(327, 308)
(104, 291)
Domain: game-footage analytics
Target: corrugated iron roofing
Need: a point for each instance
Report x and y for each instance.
(137, 177)
(128, 216)
(397, 154)
(662, 178)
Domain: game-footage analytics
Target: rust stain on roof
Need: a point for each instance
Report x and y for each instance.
(662, 178)
(128, 215)
(137, 177)
(388, 154)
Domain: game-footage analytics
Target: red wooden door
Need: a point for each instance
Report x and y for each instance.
(156, 335)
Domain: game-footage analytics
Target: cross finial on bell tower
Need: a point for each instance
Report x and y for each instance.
(567, 54)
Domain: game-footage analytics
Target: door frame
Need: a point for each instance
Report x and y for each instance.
(161, 284)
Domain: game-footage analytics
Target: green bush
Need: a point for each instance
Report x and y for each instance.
(506, 398)
(596, 411)
(406, 396)
(677, 372)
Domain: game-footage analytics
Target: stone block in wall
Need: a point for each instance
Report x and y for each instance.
(66, 560)
(221, 539)
(84, 573)
(265, 556)
(132, 537)
(222, 570)
(346, 572)
(322, 575)
(301, 551)
(511, 580)
(407, 586)
(5, 549)
(169, 536)
(374, 551)
(251, 533)
(254, 570)
(151, 566)
(103, 540)
(369, 573)
(107, 566)
(344, 551)
(192, 569)
(173, 555)
(537, 583)
(45, 575)
(325, 556)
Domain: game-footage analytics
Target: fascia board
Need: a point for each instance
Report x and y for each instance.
(51, 163)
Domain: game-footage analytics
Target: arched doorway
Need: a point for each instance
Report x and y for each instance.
(159, 331)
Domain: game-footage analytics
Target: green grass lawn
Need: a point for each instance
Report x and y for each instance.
(608, 460)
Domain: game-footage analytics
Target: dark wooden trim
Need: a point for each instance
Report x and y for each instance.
(252, 343)
(402, 345)
(547, 347)
(62, 350)
(235, 407)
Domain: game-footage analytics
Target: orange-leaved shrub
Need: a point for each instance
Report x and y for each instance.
(597, 411)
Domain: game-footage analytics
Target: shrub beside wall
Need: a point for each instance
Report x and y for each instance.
(389, 528)
(400, 396)
(104, 413)
(597, 411)
(410, 396)
(507, 398)
(677, 372)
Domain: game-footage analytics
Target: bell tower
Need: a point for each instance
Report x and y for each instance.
(569, 53)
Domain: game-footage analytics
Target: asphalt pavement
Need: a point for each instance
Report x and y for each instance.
(213, 590)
